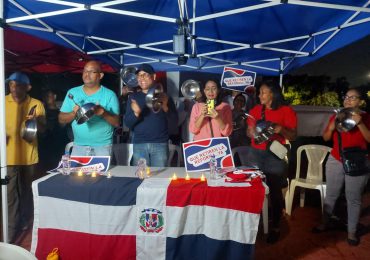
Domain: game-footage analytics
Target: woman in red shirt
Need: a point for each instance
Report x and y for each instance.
(335, 176)
(274, 109)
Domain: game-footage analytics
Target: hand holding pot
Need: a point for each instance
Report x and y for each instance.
(99, 110)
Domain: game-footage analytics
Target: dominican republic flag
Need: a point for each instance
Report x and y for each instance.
(128, 218)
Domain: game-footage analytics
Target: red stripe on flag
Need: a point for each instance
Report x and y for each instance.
(183, 193)
(77, 245)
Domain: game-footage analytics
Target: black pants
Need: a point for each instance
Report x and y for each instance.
(275, 171)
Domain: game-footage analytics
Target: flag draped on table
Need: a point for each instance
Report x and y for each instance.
(127, 218)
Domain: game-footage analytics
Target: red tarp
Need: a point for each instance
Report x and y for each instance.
(30, 54)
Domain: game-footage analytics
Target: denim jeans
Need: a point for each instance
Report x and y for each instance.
(155, 154)
(79, 150)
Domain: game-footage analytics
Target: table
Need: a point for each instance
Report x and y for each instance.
(124, 217)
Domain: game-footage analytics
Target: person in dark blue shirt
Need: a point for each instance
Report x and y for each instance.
(150, 129)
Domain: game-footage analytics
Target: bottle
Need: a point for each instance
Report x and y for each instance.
(66, 164)
(141, 168)
(212, 167)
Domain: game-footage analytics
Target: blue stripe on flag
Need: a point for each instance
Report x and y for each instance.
(118, 191)
(202, 248)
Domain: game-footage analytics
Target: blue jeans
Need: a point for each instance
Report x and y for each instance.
(155, 154)
(80, 150)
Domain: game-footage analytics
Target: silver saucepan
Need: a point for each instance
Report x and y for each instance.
(85, 112)
(343, 119)
(152, 98)
(29, 128)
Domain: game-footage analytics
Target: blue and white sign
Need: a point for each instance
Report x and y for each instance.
(237, 79)
(87, 164)
(198, 153)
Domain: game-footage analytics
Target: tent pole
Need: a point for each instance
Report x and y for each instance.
(281, 73)
(3, 164)
(120, 73)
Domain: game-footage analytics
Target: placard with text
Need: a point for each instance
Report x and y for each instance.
(198, 153)
(237, 79)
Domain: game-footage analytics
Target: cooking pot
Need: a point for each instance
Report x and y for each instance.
(151, 98)
(128, 76)
(343, 119)
(264, 130)
(84, 113)
(190, 89)
(29, 127)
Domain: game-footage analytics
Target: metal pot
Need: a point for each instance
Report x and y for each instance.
(128, 76)
(29, 127)
(343, 119)
(151, 98)
(264, 131)
(84, 113)
(190, 89)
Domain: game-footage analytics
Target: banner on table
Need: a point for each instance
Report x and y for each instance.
(86, 164)
(88, 218)
(198, 153)
(237, 79)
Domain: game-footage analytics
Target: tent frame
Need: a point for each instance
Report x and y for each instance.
(287, 56)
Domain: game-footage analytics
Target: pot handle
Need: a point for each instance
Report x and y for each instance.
(32, 110)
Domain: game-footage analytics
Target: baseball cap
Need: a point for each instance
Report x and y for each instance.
(146, 68)
(19, 77)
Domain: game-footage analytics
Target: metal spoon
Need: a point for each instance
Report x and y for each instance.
(71, 97)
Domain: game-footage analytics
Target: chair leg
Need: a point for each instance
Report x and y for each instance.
(286, 195)
(265, 215)
(291, 197)
(302, 197)
(322, 195)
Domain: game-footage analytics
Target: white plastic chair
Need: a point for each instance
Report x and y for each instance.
(8, 251)
(68, 148)
(172, 150)
(316, 155)
(123, 153)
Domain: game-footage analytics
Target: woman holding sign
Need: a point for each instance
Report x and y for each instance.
(211, 117)
(282, 124)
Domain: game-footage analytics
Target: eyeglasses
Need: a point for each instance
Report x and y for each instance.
(90, 72)
(143, 75)
(352, 98)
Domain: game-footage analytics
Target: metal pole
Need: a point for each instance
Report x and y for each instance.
(281, 72)
(3, 163)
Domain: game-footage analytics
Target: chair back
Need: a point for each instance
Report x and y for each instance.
(172, 150)
(68, 148)
(316, 155)
(123, 153)
(242, 152)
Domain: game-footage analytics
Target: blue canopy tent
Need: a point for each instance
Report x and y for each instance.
(270, 37)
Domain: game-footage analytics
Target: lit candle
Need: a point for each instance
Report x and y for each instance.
(174, 177)
(80, 173)
(109, 175)
(187, 177)
(93, 174)
(148, 172)
(202, 178)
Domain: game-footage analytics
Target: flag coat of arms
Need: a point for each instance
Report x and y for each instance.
(128, 218)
